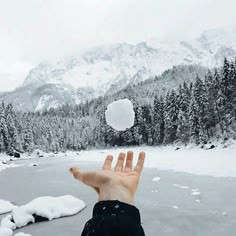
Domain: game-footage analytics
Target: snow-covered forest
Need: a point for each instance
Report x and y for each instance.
(196, 112)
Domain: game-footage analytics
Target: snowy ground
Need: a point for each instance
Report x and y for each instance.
(183, 192)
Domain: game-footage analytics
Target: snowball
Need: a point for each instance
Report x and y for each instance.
(120, 114)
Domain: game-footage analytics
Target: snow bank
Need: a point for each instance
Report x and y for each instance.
(120, 114)
(218, 162)
(6, 206)
(47, 207)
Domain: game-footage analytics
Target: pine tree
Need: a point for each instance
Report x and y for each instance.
(193, 121)
(171, 117)
(28, 137)
(211, 112)
(225, 103)
(158, 121)
(183, 116)
(139, 125)
(199, 92)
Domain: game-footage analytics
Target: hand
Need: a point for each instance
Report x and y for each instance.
(120, 184)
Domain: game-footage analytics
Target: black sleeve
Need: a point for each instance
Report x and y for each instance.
(114, 218)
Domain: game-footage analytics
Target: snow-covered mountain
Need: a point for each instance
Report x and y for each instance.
(109, 68)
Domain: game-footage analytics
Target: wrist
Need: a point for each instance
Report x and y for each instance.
(116, 193)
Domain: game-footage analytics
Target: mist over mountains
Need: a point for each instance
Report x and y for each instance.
(110, 68)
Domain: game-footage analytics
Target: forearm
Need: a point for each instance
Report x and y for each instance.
(114, 218)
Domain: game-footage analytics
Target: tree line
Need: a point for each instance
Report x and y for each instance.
(198, 112)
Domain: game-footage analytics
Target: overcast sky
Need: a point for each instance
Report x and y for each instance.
(35, 30)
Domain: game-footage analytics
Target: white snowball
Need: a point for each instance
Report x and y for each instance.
(120, 114)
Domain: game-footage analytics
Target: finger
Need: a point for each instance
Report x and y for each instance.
(107, 163)
(129, 162)
(140, 163)
(120, 162)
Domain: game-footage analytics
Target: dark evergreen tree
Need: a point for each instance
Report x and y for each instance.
(158, 121)
(171, 117)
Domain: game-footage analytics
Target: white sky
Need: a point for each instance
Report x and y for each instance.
(35, 30)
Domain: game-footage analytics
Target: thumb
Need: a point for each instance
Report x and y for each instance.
(87, 177)
(76, 173)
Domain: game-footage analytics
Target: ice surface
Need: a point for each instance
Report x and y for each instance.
(6, 206)
(120, 114)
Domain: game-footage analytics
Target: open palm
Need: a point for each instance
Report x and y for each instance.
(120, 184)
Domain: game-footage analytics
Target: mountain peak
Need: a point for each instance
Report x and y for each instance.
(109, 68)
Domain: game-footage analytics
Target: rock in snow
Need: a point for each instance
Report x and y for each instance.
(44, 207)
(120, 114)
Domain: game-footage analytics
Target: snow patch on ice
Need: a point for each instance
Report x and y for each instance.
(6, 206)
(6, 166)
(6, 232)
(155, 179)
(181, 186)
(47, 207)
(22, 234)
(224, 213)
(196, 193)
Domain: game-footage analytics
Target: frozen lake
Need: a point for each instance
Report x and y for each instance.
(175, 203)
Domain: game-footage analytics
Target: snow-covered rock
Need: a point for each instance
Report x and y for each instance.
(120, 114)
